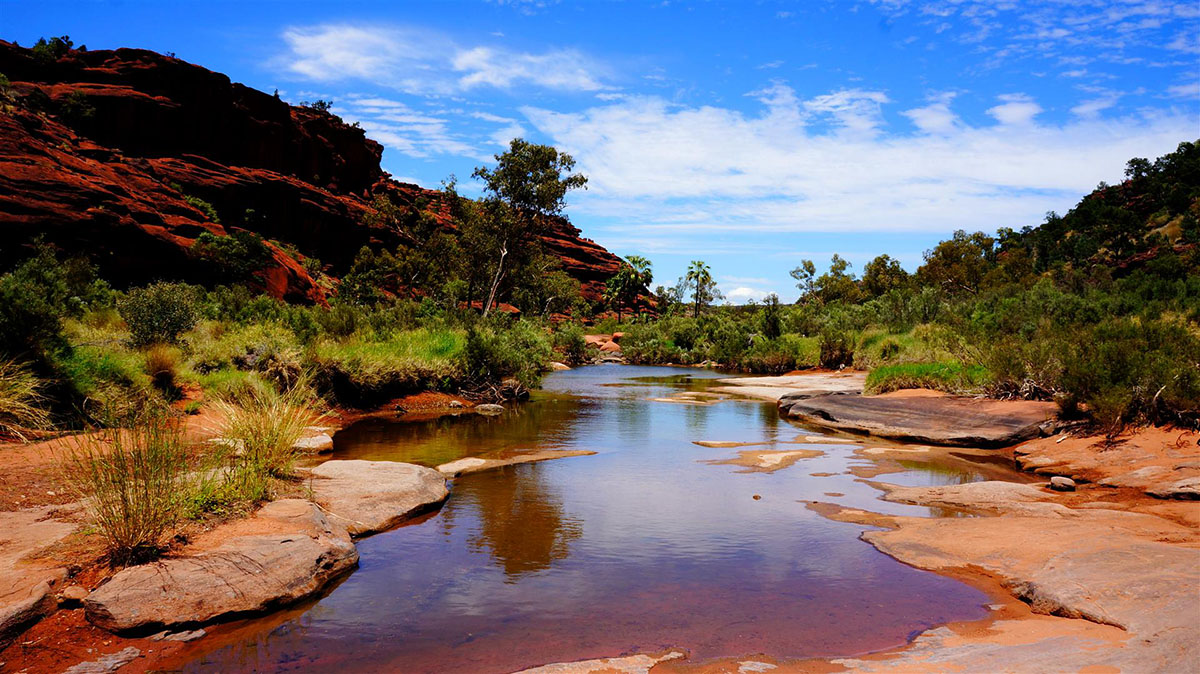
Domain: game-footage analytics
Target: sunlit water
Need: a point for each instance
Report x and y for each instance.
(641, 547)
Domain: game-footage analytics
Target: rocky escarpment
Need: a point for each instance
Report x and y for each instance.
(106, 153)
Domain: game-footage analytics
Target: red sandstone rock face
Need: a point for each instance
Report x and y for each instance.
(102, 185)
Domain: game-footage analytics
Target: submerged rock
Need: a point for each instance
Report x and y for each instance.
(370, 496)
(489, 409)
(475, 464)
(106, 663)
(286, 552)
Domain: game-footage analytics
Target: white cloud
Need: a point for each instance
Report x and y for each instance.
(676, 169)
(423, 62)
(935, 117)
(1093, 107)
(1184, 90)
(743, 294)
(1015, 109)
(403, 129)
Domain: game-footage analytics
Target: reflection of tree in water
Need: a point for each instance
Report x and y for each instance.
(545, 424)
(520, 518)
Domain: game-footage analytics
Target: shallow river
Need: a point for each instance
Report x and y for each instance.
(640, 547)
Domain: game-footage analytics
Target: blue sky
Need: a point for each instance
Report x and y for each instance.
(749, 135)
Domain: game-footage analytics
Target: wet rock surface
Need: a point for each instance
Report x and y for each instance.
(367, 497)
(476, 464)
(630, 664)
(933, 419)
(798, 386)
(287, 551)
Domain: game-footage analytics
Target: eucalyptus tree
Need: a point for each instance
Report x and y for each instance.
(527, 185)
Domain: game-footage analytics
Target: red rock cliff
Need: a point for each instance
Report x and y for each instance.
(99, 149)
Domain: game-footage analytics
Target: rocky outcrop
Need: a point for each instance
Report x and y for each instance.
(1107, 566)
(288, 551)
(932, 419)
(27, 591)
(1161, 462)
(100, 152)
(367, 497)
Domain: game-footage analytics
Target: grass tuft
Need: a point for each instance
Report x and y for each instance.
(949, 376)
(132, 482)
(20, 400)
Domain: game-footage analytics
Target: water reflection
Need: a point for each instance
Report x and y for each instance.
(640, 547)
(521, 522)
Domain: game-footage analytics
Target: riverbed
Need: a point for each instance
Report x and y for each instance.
(648, 544)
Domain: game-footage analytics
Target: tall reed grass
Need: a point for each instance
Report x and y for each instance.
(20, 402)
(133, 483)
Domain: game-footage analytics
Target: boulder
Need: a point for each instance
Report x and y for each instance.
(288, 551)
(370, 496)
(489, 409)
(610, 347)
(559, 367)
(314, 444)
(1060, 483)
(1188, 488)
(929, 419)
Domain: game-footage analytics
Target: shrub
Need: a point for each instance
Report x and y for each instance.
(238, 255)
(836, 348)
(202, 206)
(48, 51)
(132, 483)
(490, 356)
(568, 340)
(160, 312)
(37, 295)
(21, 405)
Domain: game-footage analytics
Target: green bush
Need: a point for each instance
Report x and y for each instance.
(238, 255)
(568, 340)
(160, 312)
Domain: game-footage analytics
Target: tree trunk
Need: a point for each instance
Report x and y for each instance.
(487, 308)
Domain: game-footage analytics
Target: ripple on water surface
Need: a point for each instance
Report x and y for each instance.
(640, 547)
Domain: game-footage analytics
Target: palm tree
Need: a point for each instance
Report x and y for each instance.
(630, 281)
(699, 279)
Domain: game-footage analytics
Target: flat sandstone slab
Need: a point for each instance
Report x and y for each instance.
(805, 384)
(367, 497)
(938, 420)
(475, 464)
(287, 551)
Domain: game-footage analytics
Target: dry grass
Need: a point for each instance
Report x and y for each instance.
(133, 484)
(20, 401)
(260, 428)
